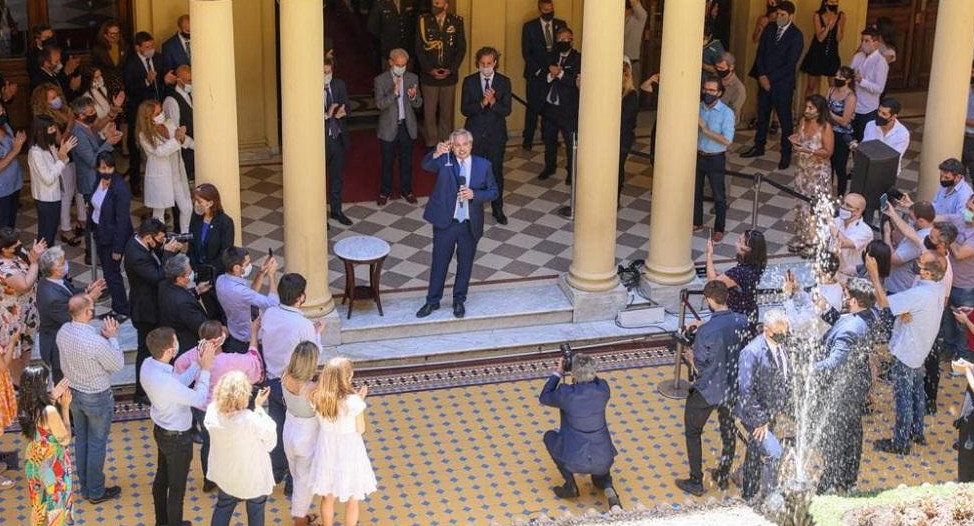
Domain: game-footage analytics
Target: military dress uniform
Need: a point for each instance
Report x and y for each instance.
(392, 22)
(439, 46)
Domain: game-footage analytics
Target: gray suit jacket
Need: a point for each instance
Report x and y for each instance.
(385, 100)
(89, 146)
(52, 304)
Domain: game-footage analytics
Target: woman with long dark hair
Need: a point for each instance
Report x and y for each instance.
(813, 143)
(18, 302)
(46, 423)
(822, 59)
(742, 279)
(842, 110)
(111, 214)
(48, 161)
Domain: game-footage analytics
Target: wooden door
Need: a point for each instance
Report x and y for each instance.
(652, 43)
(921, 53)
(916, 23)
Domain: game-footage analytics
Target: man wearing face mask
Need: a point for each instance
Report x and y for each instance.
(41, 34)
(337, 139)
(179, 301)
(397, 96)
(735, 94)
(237, 296)
(888, 129)
(910, 245)
(716, 133)
(537, 44)
(90, 144)
(961, 257)
(871, 72)
(178, 108)
(560, 111)
(176, 50)
(64, 76)
(954, 192)
(779, 49)
(440, 48)
(910, 344)
(763, 392)
(145, 255)
(392, 22)
(850, 233)
(486, 103)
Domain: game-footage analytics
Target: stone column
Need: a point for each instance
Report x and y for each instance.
(303, 102)
(670, 228)
(215, 103)
(943, 131)
(592, 278)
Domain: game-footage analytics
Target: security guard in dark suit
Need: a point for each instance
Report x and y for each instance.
(392, 22)
(440, 47)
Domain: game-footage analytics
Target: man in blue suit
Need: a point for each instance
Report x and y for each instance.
(456, 210)
(537, 45)
(583, 443)
(779, 49)
(763, 394)
(176, 50)
(337, 139)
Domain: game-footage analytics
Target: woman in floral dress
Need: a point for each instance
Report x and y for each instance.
(813, 142)
(48, 428)
(18, 279)
(8, 403)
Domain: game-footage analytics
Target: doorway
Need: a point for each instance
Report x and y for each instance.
(916, 23)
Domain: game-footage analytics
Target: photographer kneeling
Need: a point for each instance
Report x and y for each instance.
(583, 444)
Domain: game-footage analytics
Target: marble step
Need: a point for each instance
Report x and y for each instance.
(502, 308)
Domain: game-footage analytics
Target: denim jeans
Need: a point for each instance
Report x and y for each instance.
(91, 414)
(910, 400)
(225, 504)
(955, 334)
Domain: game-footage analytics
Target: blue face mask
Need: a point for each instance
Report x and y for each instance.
(192, 279)
(968, 216)
(57, 103)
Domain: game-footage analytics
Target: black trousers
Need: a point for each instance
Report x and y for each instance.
(493, 151)
(968, 155)
(48, 218)
(695, 416)
(113, 279)
(712, 167)
(859, 123)
(456, 238)
(401, 147)
(623, 155)
(175, 452)
(555, 120)
(278, 413)
(135, 153)
(840, 165)
(931, 378)
(965, 450)
(778, 99)
(53, 362)
(9, 205)
(842, 447)
(536, 89)
(335, 160)
(142, 330)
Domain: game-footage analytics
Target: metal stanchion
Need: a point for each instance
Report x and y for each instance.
(677, 388)
(757, 195)
(569, 211)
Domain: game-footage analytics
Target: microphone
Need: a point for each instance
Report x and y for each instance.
(463, 186)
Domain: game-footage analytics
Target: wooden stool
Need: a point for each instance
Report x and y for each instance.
(362, 250)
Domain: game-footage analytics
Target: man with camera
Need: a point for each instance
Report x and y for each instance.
(582, 444)
(716, 346)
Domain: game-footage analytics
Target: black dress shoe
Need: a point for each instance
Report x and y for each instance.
(613, 498)
(754, 151)
(691, 486)
(341, 218)
(111, 492)
(501, 218)
(208, 485)
(427, 309)
(886, 445)
(568, 491)
(720, 479)
(546, 173)
(459, 310)
(785, 162)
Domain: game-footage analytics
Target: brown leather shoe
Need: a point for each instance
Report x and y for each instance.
(410, 198)
(382, 200)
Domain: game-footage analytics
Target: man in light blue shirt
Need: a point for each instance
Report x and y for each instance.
(716, 134)
(237, 297)
(951, 198)
(172, 417)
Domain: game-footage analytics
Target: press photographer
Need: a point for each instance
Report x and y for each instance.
(716, 347)
(583, 444)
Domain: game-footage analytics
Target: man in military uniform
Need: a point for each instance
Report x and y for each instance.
(440, 47)
(392, 22)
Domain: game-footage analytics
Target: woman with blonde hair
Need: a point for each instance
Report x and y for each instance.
(341, 468)
(165, 183)
(240, 459)
(48, 100)
(300, 427)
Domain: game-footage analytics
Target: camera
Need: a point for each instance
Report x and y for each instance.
(182, 238)
(568, 355)
(686, 336)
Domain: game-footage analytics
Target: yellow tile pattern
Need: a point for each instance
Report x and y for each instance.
(474, 455)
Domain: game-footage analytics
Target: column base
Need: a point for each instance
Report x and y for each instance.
(594, 306)
(331, 336)
(667, 295)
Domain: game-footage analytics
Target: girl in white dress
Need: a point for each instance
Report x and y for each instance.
(165, 180)
(341, 468)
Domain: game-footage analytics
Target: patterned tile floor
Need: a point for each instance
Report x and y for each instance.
(473, 456)
(537, 242)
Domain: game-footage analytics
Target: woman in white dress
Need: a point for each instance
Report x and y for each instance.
(300, 428)
(165, 183)
(341, 468)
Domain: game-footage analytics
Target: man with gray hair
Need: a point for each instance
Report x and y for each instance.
(735, 94)
(179, 302)
(53, 292)
(464, 182)
(397, 97)
(583, 444)
(762, 384)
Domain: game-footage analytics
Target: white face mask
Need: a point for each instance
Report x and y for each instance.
(844, 214)
(188, 88)
(399, 70)
(199, 208)
(66, 268)
(98, 83)
(328, 77)
(487, 72)
(192, 280)
(159, 119)
(247, 270)
(148, 54)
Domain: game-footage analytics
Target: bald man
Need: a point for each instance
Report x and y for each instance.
(851, 233)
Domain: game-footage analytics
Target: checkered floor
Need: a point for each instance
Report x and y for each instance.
(537, 242)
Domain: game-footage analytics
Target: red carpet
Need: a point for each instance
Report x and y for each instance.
(354, 59)
(363, 164)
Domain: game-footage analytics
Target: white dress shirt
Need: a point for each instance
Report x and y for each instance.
(97, 199)
(898, 138)
(88, 359)
(633, 33)
(45, 174)
(170, 395)
(860, 234)
(874, 70)
(282, 328)
(911, 342)
(401, 98)
(170, 107)
(240, 451)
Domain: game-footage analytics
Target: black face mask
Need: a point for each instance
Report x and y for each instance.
(21, 253)
(436, 10)
(722, 73)
(90, 119)
(840, 83)
(833, 7)
(548, 17)
(708, 98)
(948, 183)
(882, 121)
(106, 176)
(184, 35)
(563, 46)
(3, 120)
(52, 139)
(929, 244)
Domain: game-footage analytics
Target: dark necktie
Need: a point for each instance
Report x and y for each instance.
(781, 31)
(547, 35)
(333, 127)
(486, 85)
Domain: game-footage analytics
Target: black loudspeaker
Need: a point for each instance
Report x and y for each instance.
(875, 166)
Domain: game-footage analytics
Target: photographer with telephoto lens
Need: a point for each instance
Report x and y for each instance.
(583, 444)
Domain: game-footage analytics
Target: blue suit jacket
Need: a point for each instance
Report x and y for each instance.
(89, 146)
(173, 54)
(115, 219)
(442, 203)
(763, 389)
(487, 124)
(716, 351)
(778, 58)
(845, 367)
(583, 444)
